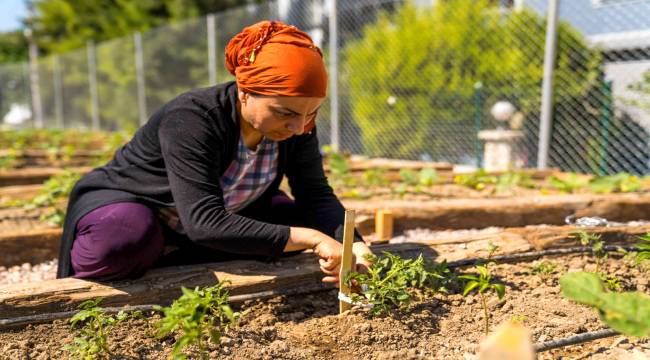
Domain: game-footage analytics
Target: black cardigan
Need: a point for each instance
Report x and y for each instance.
(177, 158)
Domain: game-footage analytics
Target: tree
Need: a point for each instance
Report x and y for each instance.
(412, 75)
(13, 47)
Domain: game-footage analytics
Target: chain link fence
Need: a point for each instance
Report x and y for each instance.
(415, 79)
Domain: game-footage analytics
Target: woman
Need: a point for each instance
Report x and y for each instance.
(202, 175)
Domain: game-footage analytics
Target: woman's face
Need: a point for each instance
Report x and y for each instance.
(278, 117)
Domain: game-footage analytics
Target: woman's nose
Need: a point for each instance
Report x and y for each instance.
(297, 125)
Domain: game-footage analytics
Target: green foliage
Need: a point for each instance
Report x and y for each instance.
(389, 279)
(427, 176)
(475, 180)
(93, 327)
(482, 283)
(622, 182)
(544, 269)
(512, 179)
(13, 47)
(408, 177)
(644, 248)
(569, 184)
(63, 25)
(597, 246)
(375, 176)
(627, 313)
(197, 314)
(471, 42)
(338, 163)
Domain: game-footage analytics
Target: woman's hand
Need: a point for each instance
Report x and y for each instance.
(326, 248)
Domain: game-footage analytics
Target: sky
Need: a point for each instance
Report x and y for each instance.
(11, 12)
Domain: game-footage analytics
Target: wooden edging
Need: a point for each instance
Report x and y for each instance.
(29, 176)
(439, 214)
(160, 286)
(505, 212)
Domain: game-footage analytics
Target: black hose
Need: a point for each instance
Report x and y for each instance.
(575, 339)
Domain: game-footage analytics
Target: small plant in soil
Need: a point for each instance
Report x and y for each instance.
(483, 283)
(93, 326)
(627, 313)
(476, 180)
(544, 269)
(198, 314)
(643, 250)
(568, 184)
(597, 246)
(390, 278)
(621, 182)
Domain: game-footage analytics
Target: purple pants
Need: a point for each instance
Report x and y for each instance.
(123, 240)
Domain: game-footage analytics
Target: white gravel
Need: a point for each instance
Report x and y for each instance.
(28, 272)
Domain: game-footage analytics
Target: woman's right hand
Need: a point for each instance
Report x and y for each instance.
(326, 248)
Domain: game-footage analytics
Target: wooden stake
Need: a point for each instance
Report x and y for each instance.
(383, 225)
(346, 258)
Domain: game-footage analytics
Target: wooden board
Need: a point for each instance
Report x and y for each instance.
(505, 212)
(29, 176)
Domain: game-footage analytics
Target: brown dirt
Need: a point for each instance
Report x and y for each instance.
(308, 327)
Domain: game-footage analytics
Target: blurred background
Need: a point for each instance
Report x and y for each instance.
(420, 79)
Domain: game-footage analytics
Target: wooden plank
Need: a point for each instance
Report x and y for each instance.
(162, 285)
(346, 259)
(29, 176)
(505, 212)
(32, 246)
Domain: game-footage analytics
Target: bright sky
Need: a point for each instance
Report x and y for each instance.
(11, 12)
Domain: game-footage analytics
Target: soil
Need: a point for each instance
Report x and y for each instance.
(308, 327)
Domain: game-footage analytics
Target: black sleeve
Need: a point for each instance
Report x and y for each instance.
(192, 149)
(311, 191)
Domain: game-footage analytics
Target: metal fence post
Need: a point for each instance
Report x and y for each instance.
(547, 85)
(34, 82)
(212, 49)
(604, 127)
(58, 91)
(139, 73)
(478, 113)
(333, 68)
(92, 82)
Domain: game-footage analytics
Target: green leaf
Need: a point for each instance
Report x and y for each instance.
(500, 290)
(582, 287)
(469, 287)
(627, 313)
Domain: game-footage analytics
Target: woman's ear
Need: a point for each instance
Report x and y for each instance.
(243, 97)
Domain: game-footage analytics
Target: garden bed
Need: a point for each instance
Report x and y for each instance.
(309, 327)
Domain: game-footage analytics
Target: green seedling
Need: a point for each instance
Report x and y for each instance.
(476, 180)
(612, 283)
(544, 269)
(408, 177)
(389, 279)
(55, 189)
(570, 184)
(338, 163)
(627, 313)
(376, 176)
(510, 180)
(427, 176)
(597, 246)
(643, 249)
(198, 314)
(93, 326)
(483, 283)
(622, 182)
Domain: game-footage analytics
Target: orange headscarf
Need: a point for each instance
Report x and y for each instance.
(272, 58)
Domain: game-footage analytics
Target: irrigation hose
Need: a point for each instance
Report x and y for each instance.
(575, 339)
